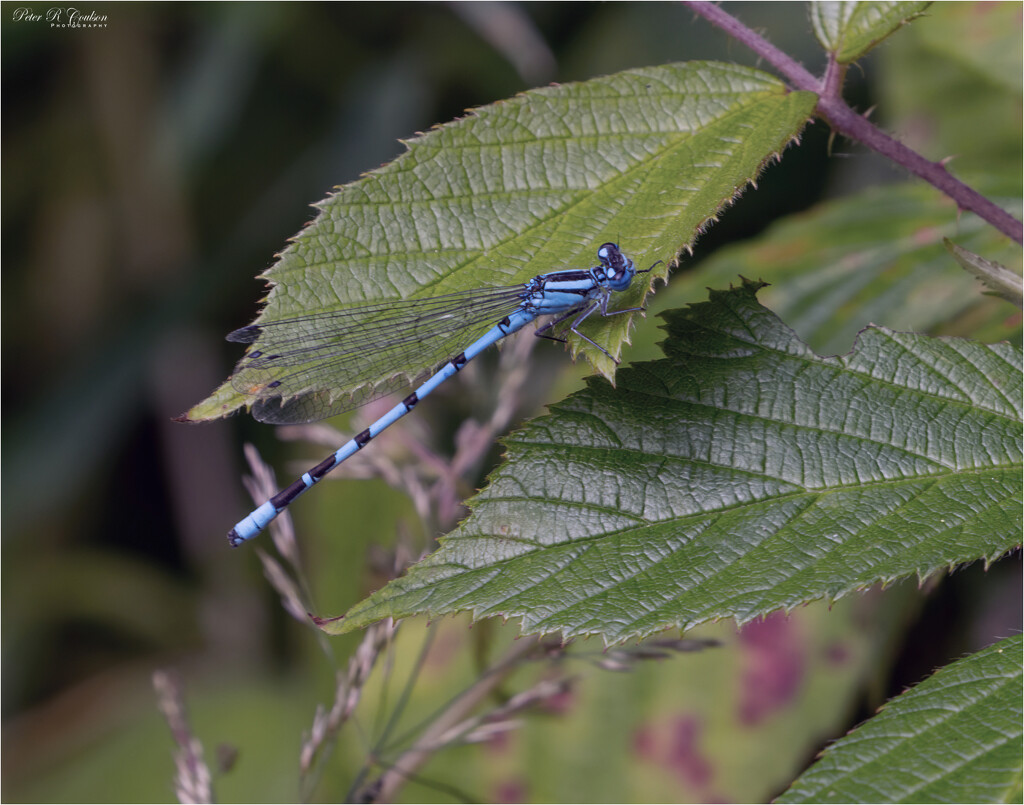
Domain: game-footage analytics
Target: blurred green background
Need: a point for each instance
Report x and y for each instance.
(153, 167)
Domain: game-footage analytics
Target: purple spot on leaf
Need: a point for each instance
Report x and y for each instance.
(510, 791)
(774, 667)
(675, 746)
(645, 744)
(684, 752)
(837, 654)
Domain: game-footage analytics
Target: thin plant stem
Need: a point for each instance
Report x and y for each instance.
(833, 110)
(192, 778)
(386, 788)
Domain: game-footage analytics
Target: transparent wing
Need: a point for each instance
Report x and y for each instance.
(311, 367)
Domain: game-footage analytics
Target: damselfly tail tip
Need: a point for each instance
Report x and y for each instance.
(234, 538)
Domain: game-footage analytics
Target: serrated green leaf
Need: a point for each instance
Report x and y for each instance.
(1005, 283)
(876, 256)
(739, 475)
(534, 184)
(849, 30)
(956, 737)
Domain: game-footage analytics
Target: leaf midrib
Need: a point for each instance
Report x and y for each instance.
(642, 524)
(515, 441)
(622, 175)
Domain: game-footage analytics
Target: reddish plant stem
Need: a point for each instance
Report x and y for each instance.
(834, 111)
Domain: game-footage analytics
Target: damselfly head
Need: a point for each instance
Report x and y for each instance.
(616, 264)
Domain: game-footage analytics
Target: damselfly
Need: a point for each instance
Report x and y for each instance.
(299, 361)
